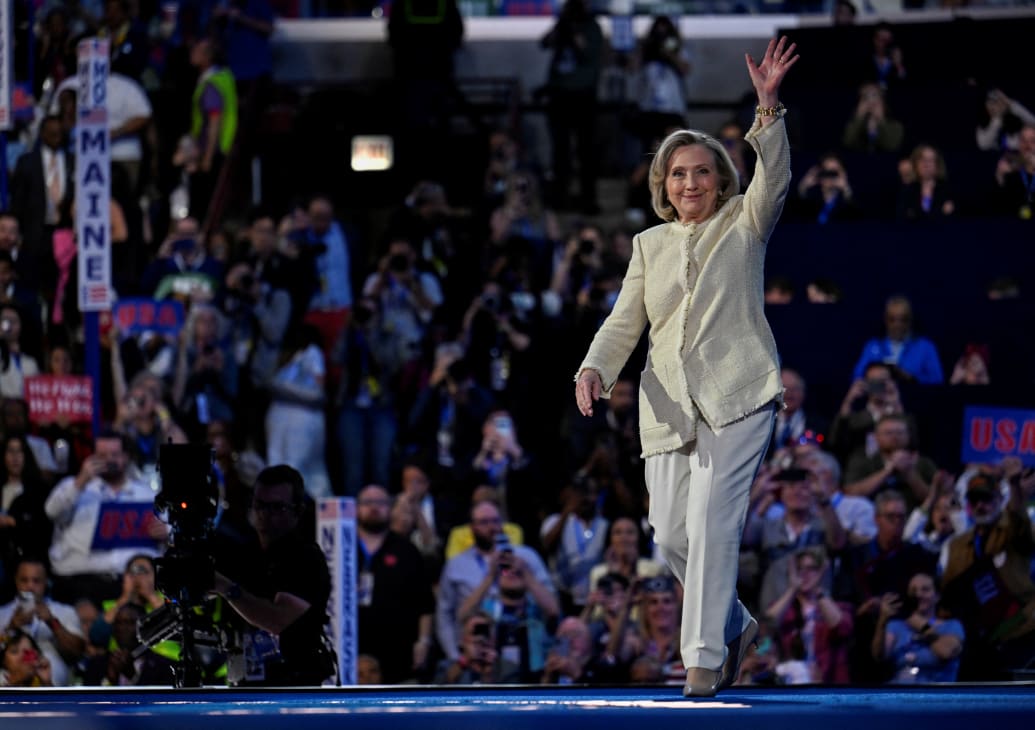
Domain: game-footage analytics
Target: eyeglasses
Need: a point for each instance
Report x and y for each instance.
(273, 508)
(488, 521)
(808, 568)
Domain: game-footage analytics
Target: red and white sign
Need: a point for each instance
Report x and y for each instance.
(52, 397)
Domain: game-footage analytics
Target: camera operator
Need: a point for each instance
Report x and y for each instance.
(75, 505)
(282, 593)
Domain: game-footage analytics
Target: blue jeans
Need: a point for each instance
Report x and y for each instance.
(366, 437)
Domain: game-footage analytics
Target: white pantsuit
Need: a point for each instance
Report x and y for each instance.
(710, 387)
(698, 505)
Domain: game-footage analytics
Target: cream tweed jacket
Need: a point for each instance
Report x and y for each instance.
(700, 289)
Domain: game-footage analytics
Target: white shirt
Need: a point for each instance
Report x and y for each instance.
(44, 636)
(126, 100)
(74, 514)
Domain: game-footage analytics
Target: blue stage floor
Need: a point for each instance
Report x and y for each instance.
(970, 707)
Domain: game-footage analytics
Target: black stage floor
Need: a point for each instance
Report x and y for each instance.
(945, 707)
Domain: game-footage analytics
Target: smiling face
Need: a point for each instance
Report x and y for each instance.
(692, 183)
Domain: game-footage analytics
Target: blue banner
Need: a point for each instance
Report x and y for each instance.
(124, 525)
(134, 316)
(989, 434)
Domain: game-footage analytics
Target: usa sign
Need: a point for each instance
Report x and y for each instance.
(989, 434)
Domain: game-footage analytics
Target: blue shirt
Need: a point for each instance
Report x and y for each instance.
(332, 267)
(914, 661)
(918, 357)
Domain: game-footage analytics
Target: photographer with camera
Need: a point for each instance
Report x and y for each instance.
(665, 67)
(872, 128)
(281, 594)
(75, 506)
(824, 193)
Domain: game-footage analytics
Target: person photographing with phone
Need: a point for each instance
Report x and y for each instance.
(524, 610)
(921, 646)
(711, 386)
(82, 567)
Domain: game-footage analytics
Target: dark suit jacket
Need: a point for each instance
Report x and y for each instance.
(29, 199)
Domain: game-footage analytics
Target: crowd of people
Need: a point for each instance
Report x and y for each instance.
(426, 372)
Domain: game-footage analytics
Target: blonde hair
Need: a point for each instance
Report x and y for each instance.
(729, 181)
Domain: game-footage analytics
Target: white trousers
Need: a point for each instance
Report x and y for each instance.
(698, 506)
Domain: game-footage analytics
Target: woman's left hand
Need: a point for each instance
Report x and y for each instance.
(767, 76)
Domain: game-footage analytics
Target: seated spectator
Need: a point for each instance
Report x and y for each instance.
(25, 529)
(1015, 176)
(52, 626)
(368, 670)
(15, 415)
(805, 614)
(868, 399)
(574, 541)
(476, 569)
(478, 661)
(1000, 124)
(75, 507)
(868, 571)
(872, 128)
(612, 618)
(623, 555)
(855, 514)
(986, 578)
(938, 519)
(462, 537)
(929, 196)
(794, 423)
(205, 382)
(807, 519)
(15, 364)
(915, 357)
(22, 664)
(296, 429)
(116, 665)
(138, 587)
(569, 660)
(972, 367)
(657, 635)
(824, 194)
(524, 608)
(895, 465)
(920, 646)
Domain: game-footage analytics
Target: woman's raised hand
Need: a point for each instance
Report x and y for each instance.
(767, 75)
